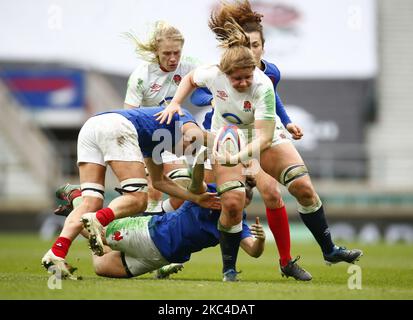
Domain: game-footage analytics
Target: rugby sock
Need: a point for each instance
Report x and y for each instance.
(229, 243)
(105, 216)
(61, 247)
(316, 222)
(278, 223)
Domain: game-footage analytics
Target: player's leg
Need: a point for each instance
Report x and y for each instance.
(154, 197)
(131, 236)
(278, 222)
(110, 265)
(117, 139)
(92, 200)
(231, 188)
(134, 199)
(172, 165)
(116, 264)
(284, 163)
(92, 177)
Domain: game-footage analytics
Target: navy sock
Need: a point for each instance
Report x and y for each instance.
(316, 222)
(229, 243)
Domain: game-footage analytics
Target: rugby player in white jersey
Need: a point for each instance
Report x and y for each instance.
(245, 96)
(154, 83)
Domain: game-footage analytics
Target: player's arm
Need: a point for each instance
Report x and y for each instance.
(295, 131)
(161, 182)
(186, 86)
(254, 245)
(264, 132)
(198, 185)
(280, 109)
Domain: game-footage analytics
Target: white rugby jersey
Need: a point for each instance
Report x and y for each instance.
(233, 107)
(148, 85)
(239, 108)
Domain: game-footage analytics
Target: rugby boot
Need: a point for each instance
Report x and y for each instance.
(230, 276)
(165, 271)
(341, 254)
(95, 229)
(292, 269)
(58, 266)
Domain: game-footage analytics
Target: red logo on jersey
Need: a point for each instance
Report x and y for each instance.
(117, 236)
(222, 95)
(177, 79)
(247, 106)
(155, 87)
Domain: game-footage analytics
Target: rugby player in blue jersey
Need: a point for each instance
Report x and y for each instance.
(137, 245)
(123, 139)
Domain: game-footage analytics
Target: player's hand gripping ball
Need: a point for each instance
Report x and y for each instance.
(229, 141)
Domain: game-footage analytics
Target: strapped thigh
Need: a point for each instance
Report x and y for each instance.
(231, 185)
(180, 176)
(95, 190)
(133, 185)
(291, 173)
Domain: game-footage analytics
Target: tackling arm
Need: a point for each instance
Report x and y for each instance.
(254, 246)
(166, 185)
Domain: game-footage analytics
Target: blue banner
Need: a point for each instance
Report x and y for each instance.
(42, 89)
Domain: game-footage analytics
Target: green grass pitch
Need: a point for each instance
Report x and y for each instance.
(386, 273)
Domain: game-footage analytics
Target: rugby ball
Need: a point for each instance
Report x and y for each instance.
(229, 139)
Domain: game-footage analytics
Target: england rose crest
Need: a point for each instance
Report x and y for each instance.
(177, 79)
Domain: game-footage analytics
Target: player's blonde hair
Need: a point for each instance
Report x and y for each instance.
(162, 31)
(231, 37)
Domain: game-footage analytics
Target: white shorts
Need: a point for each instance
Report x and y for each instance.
(131, 236)
(108, 137)
(280, 136)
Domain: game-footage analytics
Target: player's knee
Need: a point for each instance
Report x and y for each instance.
(234, 205)
(303, 190)
(140, 201)
(100, 270)
(176, 202)
(103, 271)
(271, 196)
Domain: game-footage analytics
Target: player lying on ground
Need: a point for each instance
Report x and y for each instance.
(137, 245)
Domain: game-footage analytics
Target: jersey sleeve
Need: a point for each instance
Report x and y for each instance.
(246, 232)
(265, 105)
(201, 97)
(134, 93)
(281, 112)
(204, 75)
